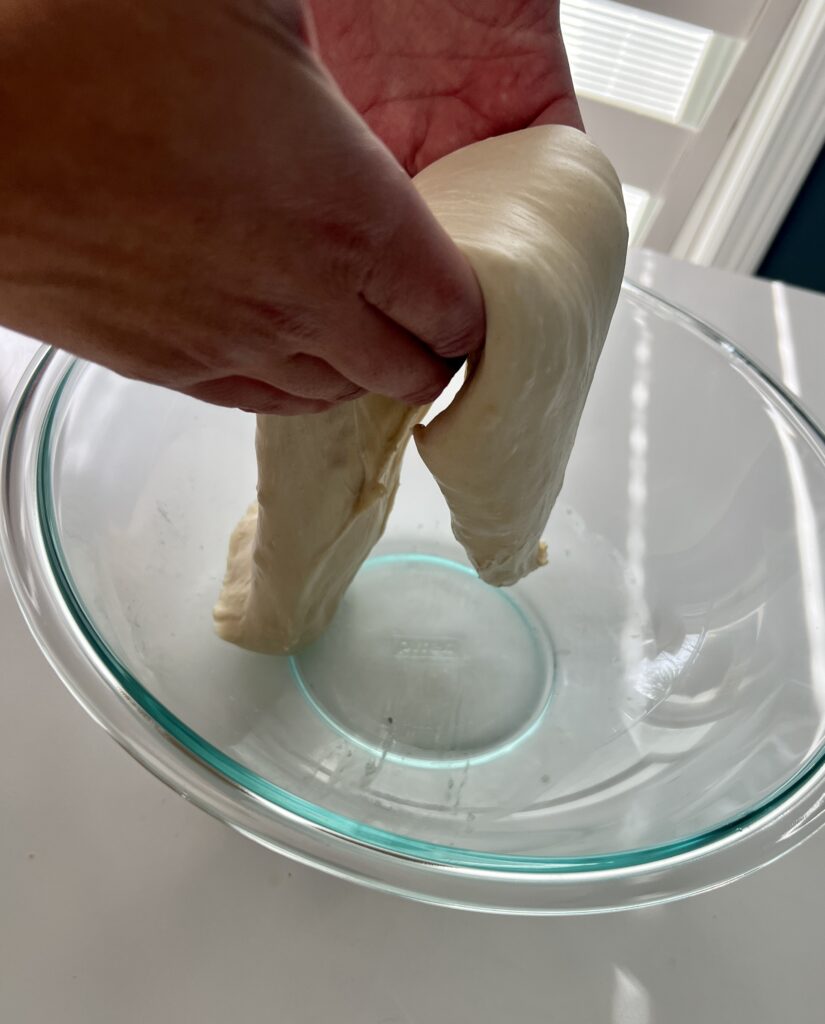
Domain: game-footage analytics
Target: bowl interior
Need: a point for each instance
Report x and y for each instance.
(661, 679)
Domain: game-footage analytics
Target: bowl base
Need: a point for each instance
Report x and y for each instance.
(426, 664)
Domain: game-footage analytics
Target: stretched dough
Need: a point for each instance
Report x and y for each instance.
(326, 484)
(540, 216)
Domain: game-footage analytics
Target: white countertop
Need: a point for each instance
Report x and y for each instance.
(121, 904)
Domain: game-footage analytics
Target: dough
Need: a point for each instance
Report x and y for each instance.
(539, 214)
(326, 484)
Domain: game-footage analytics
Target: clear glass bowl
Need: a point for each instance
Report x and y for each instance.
(642, 719)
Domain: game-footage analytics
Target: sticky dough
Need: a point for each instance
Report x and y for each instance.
(326, 484)
(539, 214)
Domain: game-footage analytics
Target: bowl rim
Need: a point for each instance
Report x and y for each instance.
(287, 823)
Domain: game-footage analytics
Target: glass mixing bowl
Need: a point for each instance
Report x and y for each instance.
(642, 719)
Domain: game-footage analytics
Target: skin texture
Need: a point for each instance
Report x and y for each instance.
(215, 218)
(432, 76)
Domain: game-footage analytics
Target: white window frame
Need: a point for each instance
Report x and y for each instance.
(768, 156)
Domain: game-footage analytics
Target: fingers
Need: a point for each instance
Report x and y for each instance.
(303, 385)
(379, 356)
(425, 284)
(308, 376)
(254, 396)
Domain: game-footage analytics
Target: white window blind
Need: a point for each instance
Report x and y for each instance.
(647, 62)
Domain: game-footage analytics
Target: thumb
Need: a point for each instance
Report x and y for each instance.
(424, 283)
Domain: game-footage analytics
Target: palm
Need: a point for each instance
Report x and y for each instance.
(430, 76)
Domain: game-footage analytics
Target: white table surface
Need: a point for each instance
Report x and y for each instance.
(121, 904)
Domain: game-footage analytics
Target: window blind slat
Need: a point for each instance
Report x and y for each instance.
(729, 17)
(627, 56)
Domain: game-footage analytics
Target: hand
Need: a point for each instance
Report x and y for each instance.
(431, 76)
(186, 198)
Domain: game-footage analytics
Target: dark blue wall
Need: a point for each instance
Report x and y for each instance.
(797, 254)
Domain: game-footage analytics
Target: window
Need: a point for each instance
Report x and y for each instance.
(646, 62)
(662, 84)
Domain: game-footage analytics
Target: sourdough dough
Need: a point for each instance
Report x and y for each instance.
(540, 216)
(326, 484)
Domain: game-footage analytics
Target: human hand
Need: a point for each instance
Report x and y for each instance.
(431, 76)
(186, 198)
